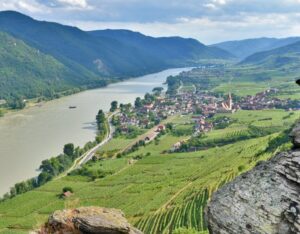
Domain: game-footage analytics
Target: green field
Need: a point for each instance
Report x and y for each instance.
(242, 88)
(160, 192)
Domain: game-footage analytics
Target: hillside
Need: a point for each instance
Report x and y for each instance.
(169, 196)
(173, 50)
(286, 55)
(27, 72)
(244, 48)
(272, 186)
(106, 55)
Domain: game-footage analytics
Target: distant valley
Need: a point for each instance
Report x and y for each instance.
(63, 58)
(47, 60)
(244, 48)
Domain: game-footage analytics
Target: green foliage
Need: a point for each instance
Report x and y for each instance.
(157, 90)
(186, 231)
(241, 168)
(138, 102)
(182, 130)
(26, 72)
(69, 149)
(67, 189)
(114, 106)
(170, 197)
(48, 59)
(102, 126)
(131, 132)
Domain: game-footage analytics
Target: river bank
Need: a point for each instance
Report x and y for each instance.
(36, 133)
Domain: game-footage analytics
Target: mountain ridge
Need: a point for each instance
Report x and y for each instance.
(286, 55)
(95, 58)
(247, 47)
(116, 57)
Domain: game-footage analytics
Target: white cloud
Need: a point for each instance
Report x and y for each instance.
(74, 3)
(220, 2)
(207, 20)
(207, 30)
(210, 6)
(29, 6)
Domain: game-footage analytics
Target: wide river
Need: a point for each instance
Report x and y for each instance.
(29, 136)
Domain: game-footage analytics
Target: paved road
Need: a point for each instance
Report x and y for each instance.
(89, 154)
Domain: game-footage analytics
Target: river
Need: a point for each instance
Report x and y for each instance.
(29, 136)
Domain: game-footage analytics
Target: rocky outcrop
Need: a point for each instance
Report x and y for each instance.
(263, 200)
(89, 220)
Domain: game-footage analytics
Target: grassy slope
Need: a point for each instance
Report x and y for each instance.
(159, 192)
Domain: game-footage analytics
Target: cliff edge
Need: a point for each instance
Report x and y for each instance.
(265, 200)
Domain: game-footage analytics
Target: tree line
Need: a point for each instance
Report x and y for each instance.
(54, 166)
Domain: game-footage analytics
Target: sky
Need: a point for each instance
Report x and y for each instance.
(209, 21)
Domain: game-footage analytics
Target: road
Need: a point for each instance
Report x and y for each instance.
(89, 154)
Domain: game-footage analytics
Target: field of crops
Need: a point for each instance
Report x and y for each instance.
(159, 193)
(241, 88)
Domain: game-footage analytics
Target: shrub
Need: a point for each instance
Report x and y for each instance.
(67, 189)
(241, 168)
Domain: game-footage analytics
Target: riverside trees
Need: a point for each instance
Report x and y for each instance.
(102, 126)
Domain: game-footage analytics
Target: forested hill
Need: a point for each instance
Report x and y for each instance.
(284, 56)
(27, 72)
(109, 56)
(245, 48)
(171, 50)
(84, 59)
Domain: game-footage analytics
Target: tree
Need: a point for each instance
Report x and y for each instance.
(157, 90)
(138, 102)
(149, 98)
(114, 106)
(69, 149)
(100, 118)
(46, 166)
(198, 111)
(17, 103)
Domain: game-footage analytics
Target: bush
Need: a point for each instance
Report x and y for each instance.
(67, 189)
(241, 168)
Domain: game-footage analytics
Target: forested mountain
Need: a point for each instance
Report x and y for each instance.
(27, 72)
(75, 58)
(172, 50)
(244, 48)
(105, 55)
(286, 55)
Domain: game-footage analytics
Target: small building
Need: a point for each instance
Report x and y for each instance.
(161, 128)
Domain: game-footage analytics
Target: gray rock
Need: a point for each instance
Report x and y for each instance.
(89, 220)
(264, 200)
(295, 136)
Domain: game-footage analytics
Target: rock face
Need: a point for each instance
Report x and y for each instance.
(89, 220)
(263, 200)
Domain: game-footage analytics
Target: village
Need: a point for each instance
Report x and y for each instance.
(149, 112)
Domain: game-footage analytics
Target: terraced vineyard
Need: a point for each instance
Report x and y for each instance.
(159, 192)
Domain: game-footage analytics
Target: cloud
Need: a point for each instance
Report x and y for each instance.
(29, 6)
(66, 4)
(205, 20)
(208, 30)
